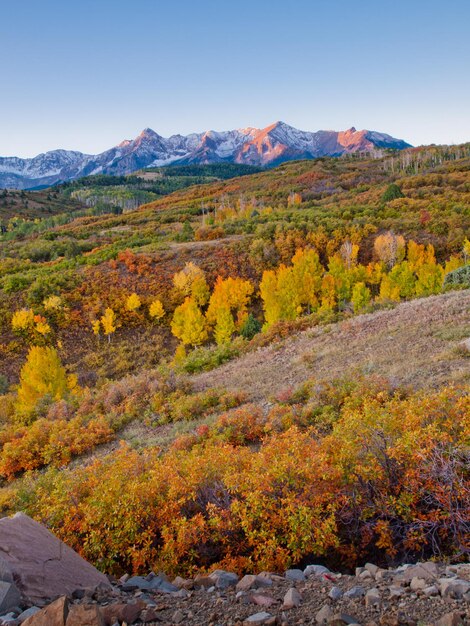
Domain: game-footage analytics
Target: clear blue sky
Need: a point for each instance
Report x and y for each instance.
(86, 74)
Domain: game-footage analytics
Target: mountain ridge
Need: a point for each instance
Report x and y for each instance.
(264, 147)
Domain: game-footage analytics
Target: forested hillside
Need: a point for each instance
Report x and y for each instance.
(108, 323)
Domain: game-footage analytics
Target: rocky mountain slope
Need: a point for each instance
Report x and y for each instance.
(269, 146)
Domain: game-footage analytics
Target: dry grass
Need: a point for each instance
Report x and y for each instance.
(413, 344)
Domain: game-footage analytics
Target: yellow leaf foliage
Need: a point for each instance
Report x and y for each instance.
(156, 310)
(133, 302)
(42, 375)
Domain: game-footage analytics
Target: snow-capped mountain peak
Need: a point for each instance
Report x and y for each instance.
(268, 146)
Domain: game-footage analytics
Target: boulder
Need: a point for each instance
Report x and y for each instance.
(296, 575)
(316, 570)
(428, 571)
(222, 579)
(43, 567)
(53, 615)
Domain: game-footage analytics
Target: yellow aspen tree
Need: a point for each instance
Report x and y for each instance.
(389, 290)
(42, 375)
(418, 254)
(430, 278)
(191, 281)
(231, 293)
(328, 293)
(225, 326)
(156, 310)
(360, 297)
(453, 263)
(307, 273)
(390, 248)
(52, 303)
(348, 252)
(133, 302)
(466, 250)
(288, 294)
(22, 321)
(189, 324)
(96, 325)
(109, 323)
(271, 304)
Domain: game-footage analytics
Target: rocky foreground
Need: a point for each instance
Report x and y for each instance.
(45, 583)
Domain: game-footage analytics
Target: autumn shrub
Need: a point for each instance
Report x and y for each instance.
(209, 357)
(378, 484)
(179, 405)
(49, 442)
(400, 460)
(458, 278)
(241, 426)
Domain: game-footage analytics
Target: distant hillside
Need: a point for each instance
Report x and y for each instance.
(269, 146)
(114, 194)
(31, 205)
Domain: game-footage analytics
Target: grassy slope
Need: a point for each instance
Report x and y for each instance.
(414, 344)
(417, 345)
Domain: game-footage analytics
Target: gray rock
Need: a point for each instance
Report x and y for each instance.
(429, 571)
(291, 599)
(10, 597)
(43, 567)
(335, 593)
(296, 575)
(137, 582)
(223, 579)
(324, 614)
(373, 598)
(453, 587)
(316, 570)
(257, 618)
(355, 592)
